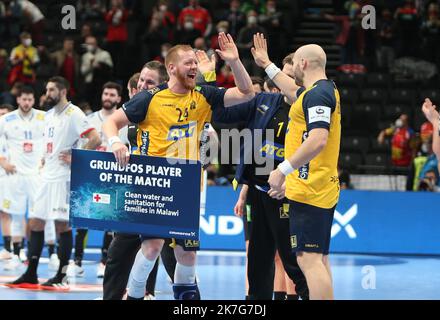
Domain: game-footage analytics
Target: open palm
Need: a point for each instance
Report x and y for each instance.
(259, 51)
(228, 50)
(205, 64)
(430, 111)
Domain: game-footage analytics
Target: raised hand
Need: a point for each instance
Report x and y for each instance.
(259, 51)
(430, 111)
(228, 50)
(206, 64)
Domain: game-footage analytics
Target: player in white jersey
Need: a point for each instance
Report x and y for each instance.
(5, 253)
(23, 130)
(65, 124)
(110, 99)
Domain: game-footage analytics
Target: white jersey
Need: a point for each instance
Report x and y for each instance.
(24, 140)
(63, 130)
(96, 119)
(3, 154)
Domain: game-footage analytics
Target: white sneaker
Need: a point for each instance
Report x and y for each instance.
(23, 255)
(149, 297)
(54, 262)
(5, 254)
(101, 270)
(74, 270)
(14, 264)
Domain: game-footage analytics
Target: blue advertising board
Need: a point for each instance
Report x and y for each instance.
(149, 196)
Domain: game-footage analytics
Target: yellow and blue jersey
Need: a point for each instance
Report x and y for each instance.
(315, 183)
(170, 123)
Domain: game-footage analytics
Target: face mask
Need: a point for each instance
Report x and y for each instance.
(164, 54)
(252, 20)
(399, 123)
(271, 10)
(188, 25)
(163, 8)
(221, 30)
(90, 48)
(425, 148)
(27, 42)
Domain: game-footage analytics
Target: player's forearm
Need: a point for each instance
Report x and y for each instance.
(287, 85)
(110, 128)
(244, 192)
(307, 151)
(436, 139)
(93, 142)
(242, 79)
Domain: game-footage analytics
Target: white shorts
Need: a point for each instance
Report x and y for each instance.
(2, 190)
(19, 195)
(52, 201)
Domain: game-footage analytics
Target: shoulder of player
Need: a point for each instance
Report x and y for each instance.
(93, 115)
(73, 109)
(40, 114)
(323, 89)
(12, 116)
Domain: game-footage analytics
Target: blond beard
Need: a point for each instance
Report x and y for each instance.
(184, 81)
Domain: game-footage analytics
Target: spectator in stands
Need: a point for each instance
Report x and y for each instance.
(245, 42)
(431, 35)
(90, 9)
(96, 67)
(154, 38)
(259, 6)
(272, 22)
(429, 182)
(426, 131)
(222, 26)
(386, 41)
(403, 141)
(235, 18)
(163, 52)
(188, 33)
(80, 40)
(10, 18)
(225, 78)
(201, 18)
(349, 34)
(167, 19)
(117, 34)
(200, 44)
(407, 19)
(4, 57)
(424, 161)
(24, 59)
(10, 97)
(35, 20)
(67, 62)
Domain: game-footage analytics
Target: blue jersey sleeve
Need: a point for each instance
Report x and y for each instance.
(215, 96)
(318, 106)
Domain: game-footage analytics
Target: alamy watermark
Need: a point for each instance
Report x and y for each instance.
(369, 18)
(369, 278)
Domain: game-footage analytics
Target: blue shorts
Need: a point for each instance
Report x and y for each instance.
(310, 227)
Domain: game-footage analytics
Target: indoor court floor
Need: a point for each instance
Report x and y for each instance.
(221, 277)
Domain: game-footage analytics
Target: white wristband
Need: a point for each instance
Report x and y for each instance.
(272, 70)
(285, 167)
(113, 140)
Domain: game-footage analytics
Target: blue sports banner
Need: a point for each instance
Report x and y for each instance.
(149, 196)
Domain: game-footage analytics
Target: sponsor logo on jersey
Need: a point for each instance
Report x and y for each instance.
(272, 150)
(180, 132)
